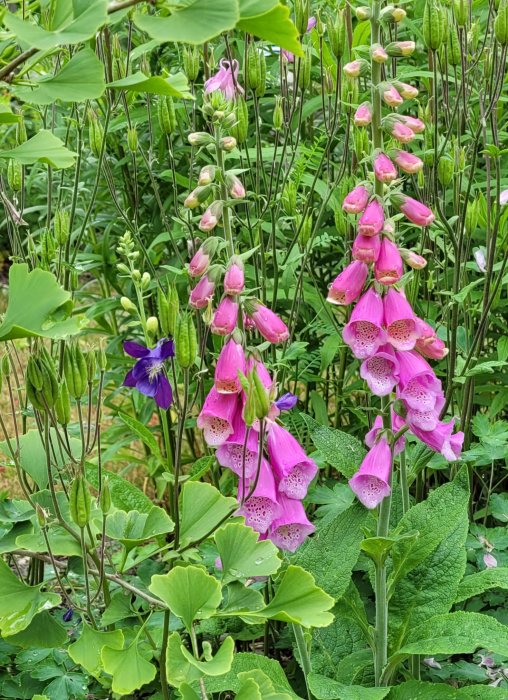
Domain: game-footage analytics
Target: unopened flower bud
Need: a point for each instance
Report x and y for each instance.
(390, 13)
(234, 279)
(357, 68)
(199, 138)
(397, 49)
(152, 325)
(412, 259)
(278, 113)
(145, 280)
(227, 143)
(206, 175)
(378, 53)
(235, 186)
(212, 216)
(127, 304)
(363, 13)
(363, 115)
(197, 196)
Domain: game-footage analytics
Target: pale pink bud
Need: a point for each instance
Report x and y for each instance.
(378, 54)
(199, 263)
(406, 48)
(413, 260)
(384, 169)
(363, 115)
(371, 221)
(356, 201)
(391, 96)
(366, 248)
(408, 162)
(416, 125)
(353, 69)
(225, 318)
(206, 175)
(202, 293)
(428, 344)
(398, 130)
(212, 216)
(235, 186)
(490, 561)
(407, 91)
(417, 212)
(234, 279)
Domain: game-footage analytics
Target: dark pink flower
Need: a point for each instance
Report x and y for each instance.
(381, 371)
(371, 483)
(400, 321)
(348, 286)
(225, 318)
(292, 526)
(294, 470)
(262, 507)
(442, 439)
(364, 333)
(356, 201)
(231, 361)
(428, 343)
(371, 221)
(388, 268)
(202, 293)
(366, 248)
(217, 416)
(271, 327)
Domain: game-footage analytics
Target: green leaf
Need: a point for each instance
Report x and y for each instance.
(342, 451)
(129, 669)
(20, 603)
(145, 435)
(324, 688)
(243, 555)
(174, 85)
(44, 147)
(75, 22)
(482, 581)
(62, 543)
(38, 306)
(8, 117)
(82, 78)
(240, 598)
(187, 693)
(203, 509)
(182, 667)
(333, 643)
(420, 690)
(194, 22)
(132, 528)
(249, 690)
(43, 632)
(189, 592)
(333, 552)
(86, 651)
(124, 495)
(328, 350)
(259, 685)
(244, 662)
(274, 26)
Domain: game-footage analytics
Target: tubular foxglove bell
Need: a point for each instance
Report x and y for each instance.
(391, 96)
(397, 423)
(371, 483)
(225, 318)
(212, 216)
(217, 416)
(408, 162)
(348, 286)
(202, 293)
(388, 268)
(366, 248)
(356, 201)
(231, 453)
(371, 221)
(294, 470)
(416, 125)
(381, 371)
(384, 169)
(364, 333)
(292, 526)
(363, 115)
(400, 321)
(231, 361)
(234, 279)
(414, 210)
(442, 439)
(271, 327)
(262, 507)
(428, 343)
(419, 386)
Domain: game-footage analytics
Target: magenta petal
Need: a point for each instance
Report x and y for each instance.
(135, 349)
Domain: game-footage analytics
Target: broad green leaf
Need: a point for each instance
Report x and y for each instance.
(143, 433)
(124, 495)
(457, 633)
(203, 509)
(182, 667)
(274, 26)
(119, 608)
(218, 665)
(249, 690)
(482, 581)
(43, 632)
(7, 117)
(324, 688)
(333, 643)
(74, 23)
(174, 85)
(187, 693)
(243, 555)
(194, 22)
(40, 697)
(62, 543)
(14, 511)
(342, 451)
(46, 148)
(20, 603)
(130, 670)
(38, 306)
(189, 592)
(332, 553)
(8, 541)
(82, 78)
(420, 690)
(86, 651)
(244, 662)
(238, 597)
(259, 685)
(131, 528)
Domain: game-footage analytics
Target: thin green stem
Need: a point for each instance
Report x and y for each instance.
(303, 652)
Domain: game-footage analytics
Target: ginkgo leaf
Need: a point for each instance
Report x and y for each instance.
(130, 670)
(86, 651)
(243, 555)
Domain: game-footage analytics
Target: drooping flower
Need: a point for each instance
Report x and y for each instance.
(353, 69)
(416, 125)
(381, 371)
(397, 424)
(271, 326)
(231, 361)
(479, 257)
(234, 279)
(293, 468)
(225, 317)
(348, 286)
(232, 452)
(235, 186)
(199, 263)
(413, 260)
(212, 216)
(378, 53)
(408, 92)
(415, 211)
(384, 169)
(419, 386)
(366, 248)
(364, 333)
(489, 560)
(262, 507)
(225, 80)
(388, 268)
(426, 419)
(356, 201)
(217, 416)
(391, 96)
(400, 132)
(428, 343)
(286, 402)
(442, 439)
(363, 115)
(148, 374)
(371, 483)
(408, 162)
(371, 221)
(292, 526)
(202, 293)
(400, 321)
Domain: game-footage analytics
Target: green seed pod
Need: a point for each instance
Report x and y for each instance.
(6, 365)
(48, 247)
(434, 18)
(14, 175)
(74, 369)
(471, 219)
(105, 497)
(163, 311)
(166, 114)
(191, 62)
(61, 225)
(91, 365)
(251, 68)
(260, 90)
(63, 405)
(305, 231)
(41, 516)
(445, 170)
(473, 35)
(340, 222)
(337, 33)
(454, 53)
(305, 69)
(278, 113)
(185, 341)
(50, 389)
(501, 23)
(289, 198)
(460, 12)
(302, 12)
(34, 374)
(80, 502)
(132, 139)
(240, 129)
(102, 359)
(21, 135)
(173, 308)
(262, 402)
(95, 133)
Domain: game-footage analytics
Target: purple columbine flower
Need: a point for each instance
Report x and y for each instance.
(148, 375)
(286, 402)
(68, 614)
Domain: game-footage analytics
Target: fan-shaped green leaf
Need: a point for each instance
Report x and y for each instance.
(243, 555)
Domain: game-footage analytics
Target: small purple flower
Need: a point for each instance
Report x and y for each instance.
(286, 402)
(67, 616)
(148, 375)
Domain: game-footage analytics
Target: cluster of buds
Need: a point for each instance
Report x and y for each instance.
(383, 331)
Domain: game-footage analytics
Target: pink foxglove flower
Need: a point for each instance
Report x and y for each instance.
(407, 91)
(292, 526)
(353, 69)
(371, 483)
(384, 169)
(235, 186)
(234, 279)
(231, 361)
(262, 507)
(419, 386)
(311, 23)
(400, 132)
(225, 80)
(381, 371)
(363, 115)
(400, 321)
(426, 419)
(388, 268)
(263, 373)
(225, 318)
(413, 260)
(216, 417)
(371, 221)
(212, 216)
(199, 263)
(202, 293)
(364, 333)
(428, 343)
(442, 439)
(356, 201)
(416, 125)
(391, 96)
(366, 248)
(271, 327)
(294, 470)
(408, 162)
(415, 211)
(348, 286)
(397, 424)
(231, 453)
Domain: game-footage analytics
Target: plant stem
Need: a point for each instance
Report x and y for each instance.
(304, 655)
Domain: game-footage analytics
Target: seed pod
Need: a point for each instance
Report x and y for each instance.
(34, 374)
(95, 133)
(61, 226)
(47, 248)
(50, 389)
(163, 311)
(41, 516)
(454, 53)
(63, 405)
(173, 308)
(191, 62)
(260, 90)
(132, 139)
(240, 129)
(105, 497)
(21, 135)
(445, 170)
(305, 69)
(91, 365)
(185, 341)
(340, 222)
(289, 198)
(75, 371)
(166, 114)
(501, 23)
(337, 34)
(6, 365)
(302, 12)
(80, 502)
(262, 401)
(460, 11)
(14, 175)
(278, 113)
(251, 70)
(305, 231)
(102, 359)
(434, 18)
(471, 219)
